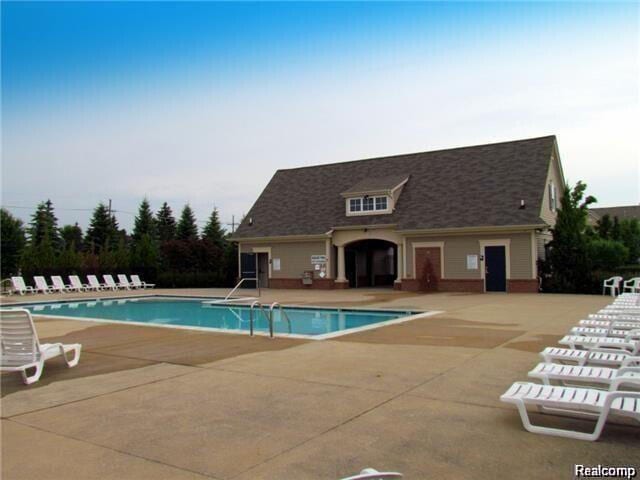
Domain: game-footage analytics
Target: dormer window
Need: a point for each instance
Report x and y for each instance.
(368, 204)
(374, 195)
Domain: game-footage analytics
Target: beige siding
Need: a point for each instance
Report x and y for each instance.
(456, 249)
(542, 239)
(295, 258)
(547, 215)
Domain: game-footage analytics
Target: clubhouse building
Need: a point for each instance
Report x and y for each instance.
(469, 219)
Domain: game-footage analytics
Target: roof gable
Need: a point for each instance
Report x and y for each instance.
(455, 188)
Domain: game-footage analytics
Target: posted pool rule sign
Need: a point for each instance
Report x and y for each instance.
(319, 263)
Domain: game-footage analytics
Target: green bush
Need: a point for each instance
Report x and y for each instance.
(606, 254)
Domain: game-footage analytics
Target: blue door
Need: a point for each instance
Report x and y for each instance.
(248, 264)
(495, 269)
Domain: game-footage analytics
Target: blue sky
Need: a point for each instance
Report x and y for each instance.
(202, 102)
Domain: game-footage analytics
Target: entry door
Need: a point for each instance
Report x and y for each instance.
(263, 270)
(248, 268)
(428, 268)
(495, 269)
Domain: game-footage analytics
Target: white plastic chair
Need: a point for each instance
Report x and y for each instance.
(20, 287)
(59, 285)
(583, 402)
(110, 282)
(77, 285)
(373, 474)
(123, 282)
(611, 378)
(41, 285)
(595, 356)
(613, 284)
(21, 349)
(95, 284)
(632, 285)
(137, 283)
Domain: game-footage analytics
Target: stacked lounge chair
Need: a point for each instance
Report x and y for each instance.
(22, 350)
(595, 374)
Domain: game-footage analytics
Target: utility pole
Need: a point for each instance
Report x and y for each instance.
(109, 208)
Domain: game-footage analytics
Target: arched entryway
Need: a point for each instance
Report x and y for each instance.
(371, 263)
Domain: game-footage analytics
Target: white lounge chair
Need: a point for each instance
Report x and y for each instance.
(579, 341)
(633, 333)
(41, 285)
(20, 287)
(21, 349)
(123, 282)
(611, 324)
(59, 285)
(95, 284)
(110, 282)
(77, 284)
(137, 283)
(598, 356)
(582, 402)
(611, 378)
(373, 474)
(632, 285)
(613, 284)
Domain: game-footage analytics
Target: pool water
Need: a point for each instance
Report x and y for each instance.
(196, 313)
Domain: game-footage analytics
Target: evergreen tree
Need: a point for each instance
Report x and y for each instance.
(165, 224)
(630, 237)
(568, 257)
(72, 234)
(12, 238)
(616, 232)
(604, 226)
(213, 231)
(44, 223)
(102, 231)
(187, 228)
(144, 223)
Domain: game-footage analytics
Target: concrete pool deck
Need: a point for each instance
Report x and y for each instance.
(419, 397)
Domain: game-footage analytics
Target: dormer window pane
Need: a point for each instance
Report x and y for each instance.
(367, 204)
(381, 203)
(355, 204)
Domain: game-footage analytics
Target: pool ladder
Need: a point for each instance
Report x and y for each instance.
(268, 316)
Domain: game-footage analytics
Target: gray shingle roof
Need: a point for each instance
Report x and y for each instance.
(376, 184)
(622, 212)
(460, 187)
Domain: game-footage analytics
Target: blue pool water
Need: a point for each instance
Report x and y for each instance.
(196, 313)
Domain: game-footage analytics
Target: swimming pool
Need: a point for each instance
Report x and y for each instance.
(308, 322)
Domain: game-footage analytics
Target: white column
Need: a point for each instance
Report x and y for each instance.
(399, 263)
(341, 276)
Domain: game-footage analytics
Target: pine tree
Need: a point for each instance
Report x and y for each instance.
(603, 226)
(72, 234)
(144, 223)
(12, 238)
(103, 230)
(44, 223)
(213, 231)
(165, 224)
(187, 228)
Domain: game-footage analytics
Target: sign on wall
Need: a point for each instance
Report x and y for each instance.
(318, 259)
(472, 262)
(275, 264)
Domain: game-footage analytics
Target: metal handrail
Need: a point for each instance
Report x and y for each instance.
(240, 283)
(282, 312)
(261, 307)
